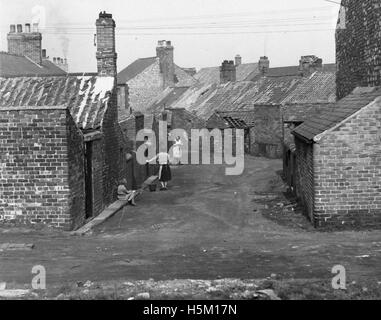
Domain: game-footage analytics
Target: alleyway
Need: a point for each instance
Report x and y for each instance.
(207, 226)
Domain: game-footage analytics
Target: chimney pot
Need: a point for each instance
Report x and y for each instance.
(12, 28)
(238, 60)
(35, 27)
(310, 64)
(264, 65)
(28, 45)
(228, 72)
(105, 15)
(43, 52)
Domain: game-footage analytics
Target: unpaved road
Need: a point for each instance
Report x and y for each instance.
(207, 226)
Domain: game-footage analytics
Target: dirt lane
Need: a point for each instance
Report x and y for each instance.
(206, 226)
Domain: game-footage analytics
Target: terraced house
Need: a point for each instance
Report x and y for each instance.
(338, 153)
(254, 97)
(61, 147)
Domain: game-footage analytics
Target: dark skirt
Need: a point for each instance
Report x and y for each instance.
(165, 173)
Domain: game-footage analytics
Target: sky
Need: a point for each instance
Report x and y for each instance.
(203, 32)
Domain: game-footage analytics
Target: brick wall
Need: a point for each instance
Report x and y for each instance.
(358, 46)
(76, 173)
(134, 172)
(99, 201)
(266, 139)
(348, 173)
(110, 150)
(129, 132)
(145, 87)
(34, 176)
(293, 115)
(26, 44)
(304, 171)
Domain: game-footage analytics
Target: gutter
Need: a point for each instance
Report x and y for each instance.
(304, 139)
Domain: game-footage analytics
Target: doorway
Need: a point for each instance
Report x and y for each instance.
(89, 179)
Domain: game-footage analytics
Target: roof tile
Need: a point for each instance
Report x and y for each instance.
(12, 65)
(343, 109)
(86, 96)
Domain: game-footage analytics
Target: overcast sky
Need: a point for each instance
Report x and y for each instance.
(204, 32)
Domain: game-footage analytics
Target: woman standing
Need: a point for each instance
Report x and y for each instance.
(165, 174)
(177, 151)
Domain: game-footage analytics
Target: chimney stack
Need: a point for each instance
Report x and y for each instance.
(165, 53)
(264, 65)
(25, 43)
(228, 72)
(106, 52)
(309, 64)
(61, 63)
(238, 60)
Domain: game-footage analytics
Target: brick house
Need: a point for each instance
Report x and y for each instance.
(25, 56)
(358, 50)
(62, 150)
(146, 78)
(338, 157)
(310, 99)
(254, 91)
(261, 125)
(338, 151)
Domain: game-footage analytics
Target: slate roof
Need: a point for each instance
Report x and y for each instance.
(205, 99)
(182, 78)
(238, 119)
(291, 71)
(343, 109)
(212, 74)
(185, 115)
(217, 121)
(135, 68)
(12, 65)
(167, 98)
(241, 96)
(85, 96)
(302, 112)
(320, 87)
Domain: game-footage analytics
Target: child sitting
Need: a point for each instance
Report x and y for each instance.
(125, 194)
